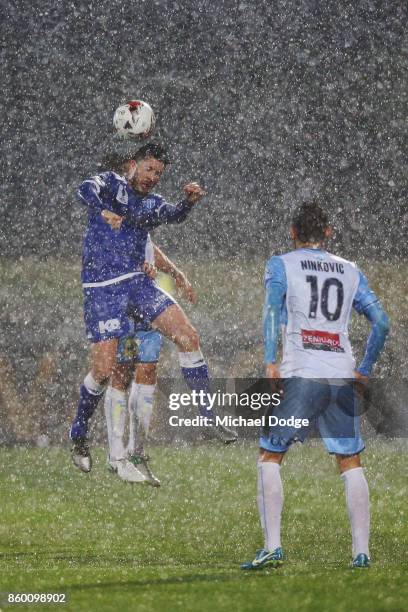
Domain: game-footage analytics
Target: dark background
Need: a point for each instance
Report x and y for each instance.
(265, 102)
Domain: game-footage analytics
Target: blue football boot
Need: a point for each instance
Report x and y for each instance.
(361, 561)
(265, 558)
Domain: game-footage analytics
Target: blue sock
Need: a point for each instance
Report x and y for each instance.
(198, 380)
(86, 407)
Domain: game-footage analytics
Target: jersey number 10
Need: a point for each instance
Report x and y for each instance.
(324, 297)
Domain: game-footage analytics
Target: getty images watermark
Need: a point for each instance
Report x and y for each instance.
(253, 401)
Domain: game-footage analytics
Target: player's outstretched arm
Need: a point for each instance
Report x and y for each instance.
(154, 211)
(163, 263)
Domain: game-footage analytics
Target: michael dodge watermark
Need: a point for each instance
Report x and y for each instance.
(212, 401)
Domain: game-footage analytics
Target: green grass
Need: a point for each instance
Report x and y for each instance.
(113, 546)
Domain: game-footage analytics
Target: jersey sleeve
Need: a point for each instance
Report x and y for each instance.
(92, 191)
(367, 303)
(364, 295)
(275, 291)
(379, 331)
(155, 211)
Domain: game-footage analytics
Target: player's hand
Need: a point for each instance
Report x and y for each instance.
(361, 378)
(361, 385)
(272, 374)
(185, 288)
(112, 219)
(150, 270)
(272, 371)
(193, 192)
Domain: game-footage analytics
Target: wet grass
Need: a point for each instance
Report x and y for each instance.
(113, 546)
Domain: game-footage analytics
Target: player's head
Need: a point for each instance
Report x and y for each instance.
(121, 162)
(151, 161)
(310, 224)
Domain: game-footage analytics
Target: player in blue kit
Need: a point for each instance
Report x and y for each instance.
(310, 294)
(115, 285)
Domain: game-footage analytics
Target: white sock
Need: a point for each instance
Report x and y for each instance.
(140, 413)
(115, 412)
(92, 385)
(194, 359)
(358, 506)
(270, 502)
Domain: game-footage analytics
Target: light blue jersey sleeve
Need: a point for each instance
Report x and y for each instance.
(275, 291)
(367, 303)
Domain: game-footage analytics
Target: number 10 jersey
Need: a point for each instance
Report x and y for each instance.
(320, 291)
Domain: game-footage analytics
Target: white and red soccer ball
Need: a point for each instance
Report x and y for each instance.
(135, 119)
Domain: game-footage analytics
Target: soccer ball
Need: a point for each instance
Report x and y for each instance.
(135, 119)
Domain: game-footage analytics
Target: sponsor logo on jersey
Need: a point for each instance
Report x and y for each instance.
(321, 341)
(109, 326)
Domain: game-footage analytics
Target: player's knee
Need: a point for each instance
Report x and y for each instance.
(121, 378)
(188, 339)
(348, 462)
(102, 368)
(101, 374)
(268, 456)
(146, 373)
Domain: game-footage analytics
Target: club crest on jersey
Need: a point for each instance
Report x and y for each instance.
(149, 201)
(122, 194)
(321, 341)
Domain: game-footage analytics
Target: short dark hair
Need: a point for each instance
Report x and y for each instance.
(153, 149)
(310, 222)
(114, 159)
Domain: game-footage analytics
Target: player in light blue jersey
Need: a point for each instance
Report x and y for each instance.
(310, 295)
(116, 288)
(141, 352)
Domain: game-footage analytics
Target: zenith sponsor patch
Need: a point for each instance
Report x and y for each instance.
(321, 341)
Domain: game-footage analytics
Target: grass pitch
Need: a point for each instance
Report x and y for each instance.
(113, 546)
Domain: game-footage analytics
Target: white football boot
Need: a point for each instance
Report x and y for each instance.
(126, 470)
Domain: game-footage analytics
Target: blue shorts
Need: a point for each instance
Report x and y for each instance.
(117, 310)
(330, 406)
(142, 347)
(147, 301)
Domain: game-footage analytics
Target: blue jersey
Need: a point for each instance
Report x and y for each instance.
(110, 256)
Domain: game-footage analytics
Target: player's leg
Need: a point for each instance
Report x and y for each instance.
(340, 431)
(299, 401)
(270, 504)
(358, 506)
(156, 308)
(141, 400)
(115, 405)
(103, 355)
(141, 406)
(115, 412)
(105, 321)
(174, 324)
